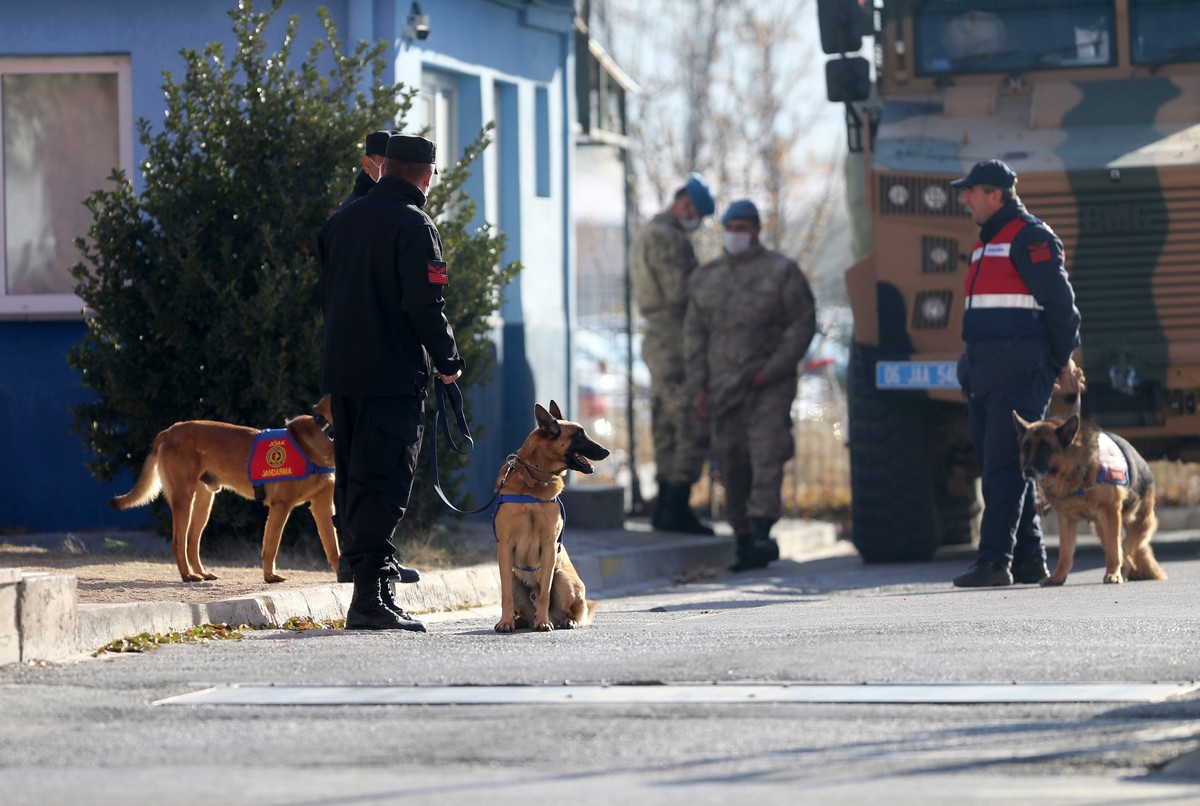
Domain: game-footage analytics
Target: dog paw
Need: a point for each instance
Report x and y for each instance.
(193, 578)
(543, 626)
(274, 578)
(568, 624)
(208, 576)
(505, 625)
(1052, 582)
(1113, 579)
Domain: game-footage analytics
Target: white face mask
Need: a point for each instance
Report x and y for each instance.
(737, 242)
(690, 224)
(377, 171)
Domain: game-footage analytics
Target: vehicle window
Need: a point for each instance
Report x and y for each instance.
(1164, 31)
(984, 36)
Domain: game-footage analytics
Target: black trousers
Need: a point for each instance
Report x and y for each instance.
(376, 444)
(1011, 530)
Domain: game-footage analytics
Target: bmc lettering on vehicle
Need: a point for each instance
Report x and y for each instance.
(438, 274)
(916, 375)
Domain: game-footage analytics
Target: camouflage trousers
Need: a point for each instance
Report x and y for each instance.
(680, 440)
(751, 444)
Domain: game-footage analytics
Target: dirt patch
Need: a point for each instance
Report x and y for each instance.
(105, 577)
(112, 579)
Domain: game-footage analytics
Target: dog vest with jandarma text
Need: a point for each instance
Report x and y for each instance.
(277, 457)
(1113, 466)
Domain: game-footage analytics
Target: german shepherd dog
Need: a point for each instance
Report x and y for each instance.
(192, 461)
(1065, 457)
(539, 586)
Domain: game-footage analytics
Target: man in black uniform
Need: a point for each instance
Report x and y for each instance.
(372, 165)
(385, 324)
(370, 173)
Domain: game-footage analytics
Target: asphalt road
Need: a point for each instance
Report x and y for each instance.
(90, 732)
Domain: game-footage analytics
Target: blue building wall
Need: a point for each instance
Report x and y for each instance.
(500, 53)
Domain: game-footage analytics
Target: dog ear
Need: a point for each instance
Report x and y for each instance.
(555, 412)
(1067, 431)
(1022, 426)
(324, 408)
(546, 423)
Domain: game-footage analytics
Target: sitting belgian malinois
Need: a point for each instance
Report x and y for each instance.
(1089, 475)
(193, 460)
(538, 585)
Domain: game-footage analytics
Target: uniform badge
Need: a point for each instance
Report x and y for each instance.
(1039, 252)
(437, 272)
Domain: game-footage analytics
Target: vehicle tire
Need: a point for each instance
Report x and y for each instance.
(893, 506)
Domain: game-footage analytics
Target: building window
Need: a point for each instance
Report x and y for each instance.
(65, 124)
(437, 105)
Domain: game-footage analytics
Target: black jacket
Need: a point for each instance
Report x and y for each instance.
(382, 282)
(362, 186)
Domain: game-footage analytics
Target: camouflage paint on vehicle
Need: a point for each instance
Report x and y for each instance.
(1108, 155)
(1096, 105)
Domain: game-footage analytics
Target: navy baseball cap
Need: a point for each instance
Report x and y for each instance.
(989, 172)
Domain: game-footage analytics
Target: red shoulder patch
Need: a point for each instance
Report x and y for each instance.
(1040, 252)
(437, 272)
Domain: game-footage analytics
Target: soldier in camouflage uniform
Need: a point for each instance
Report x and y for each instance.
(662, 262)
(750, 319)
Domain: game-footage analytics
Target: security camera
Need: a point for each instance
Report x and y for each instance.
(420, 24)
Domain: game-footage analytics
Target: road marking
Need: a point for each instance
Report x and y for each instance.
(951, 693)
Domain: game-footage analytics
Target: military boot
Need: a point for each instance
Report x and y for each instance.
(751, 554)
(367, 610)
(760, 530)
(385, 594)
(401, 573)
(673, 513)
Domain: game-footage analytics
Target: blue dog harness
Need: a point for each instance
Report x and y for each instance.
(509, 498)
(275, 456)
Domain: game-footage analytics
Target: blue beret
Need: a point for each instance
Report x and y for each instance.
(989, 172)
(697, 191)
(377, 143)
(742, 208)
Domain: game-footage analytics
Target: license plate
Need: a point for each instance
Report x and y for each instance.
(916, 375)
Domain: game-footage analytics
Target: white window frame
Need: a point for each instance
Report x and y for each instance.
(439, 107)
(63, 306)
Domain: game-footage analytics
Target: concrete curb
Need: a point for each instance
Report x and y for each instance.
(49, 625)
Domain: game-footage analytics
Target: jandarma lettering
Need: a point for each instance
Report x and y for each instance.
(276, 471)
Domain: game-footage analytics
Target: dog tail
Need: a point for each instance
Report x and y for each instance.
(148, 484)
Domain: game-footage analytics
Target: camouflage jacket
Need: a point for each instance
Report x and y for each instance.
(661, 262)
(746, 313)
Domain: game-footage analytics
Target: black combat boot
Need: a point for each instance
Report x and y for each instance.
(401, 573)
(673, 514)
(753, 554)
(662, 505)
(367, 611)
(760, 529)
(385, 594)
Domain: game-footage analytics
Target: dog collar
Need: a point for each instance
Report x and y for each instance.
(530, 471)
(325, 426)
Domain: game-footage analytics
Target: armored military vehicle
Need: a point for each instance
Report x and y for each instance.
(1096, 105)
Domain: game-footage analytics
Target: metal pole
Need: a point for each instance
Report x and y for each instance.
(637, 504)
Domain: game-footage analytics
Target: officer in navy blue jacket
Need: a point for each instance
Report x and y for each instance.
(386, 332)
(372, 164)
(1020, 326)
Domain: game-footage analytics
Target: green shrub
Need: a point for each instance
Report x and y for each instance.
(201, 289)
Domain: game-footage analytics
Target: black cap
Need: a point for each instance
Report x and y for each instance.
(989, 172)
(411, 148)
(377, 143)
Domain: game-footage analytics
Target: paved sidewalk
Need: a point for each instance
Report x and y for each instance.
(48, 623)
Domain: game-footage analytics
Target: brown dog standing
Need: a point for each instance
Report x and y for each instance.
(538, 584)
(1068, 458)
(192, 461)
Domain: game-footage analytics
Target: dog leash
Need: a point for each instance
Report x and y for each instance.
(442, 390)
